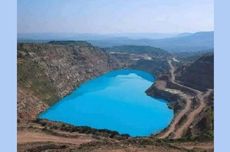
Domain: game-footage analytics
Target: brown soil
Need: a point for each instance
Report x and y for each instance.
(177, 132)
(33, 137)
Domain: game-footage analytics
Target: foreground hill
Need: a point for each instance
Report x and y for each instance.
(48, 72)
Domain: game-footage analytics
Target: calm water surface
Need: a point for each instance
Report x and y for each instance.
(116, 101)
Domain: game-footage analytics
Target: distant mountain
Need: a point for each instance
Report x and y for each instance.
(184, 34)
(145, 35)
(182, 43)
(89, 36)
(189, 57)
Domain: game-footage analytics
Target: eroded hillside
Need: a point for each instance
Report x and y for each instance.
(191, 99)
(48, 72)
(146, 58)
(199, 74)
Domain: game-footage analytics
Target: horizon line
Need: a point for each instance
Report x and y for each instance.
(115, 32)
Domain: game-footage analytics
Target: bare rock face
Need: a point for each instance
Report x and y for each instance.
(28, 105)
(198, 75)
(51, 71)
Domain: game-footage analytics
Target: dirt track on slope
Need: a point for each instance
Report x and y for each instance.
(191, 114)
(184, 97)
(178, 117)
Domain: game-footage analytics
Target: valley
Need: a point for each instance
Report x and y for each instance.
(48, 72)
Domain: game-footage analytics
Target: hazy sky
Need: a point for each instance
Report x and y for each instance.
(115, 16)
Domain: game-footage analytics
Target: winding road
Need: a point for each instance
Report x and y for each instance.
(191, 113)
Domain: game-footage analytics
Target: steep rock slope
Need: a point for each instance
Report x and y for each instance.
(198, 75)
(49, 71)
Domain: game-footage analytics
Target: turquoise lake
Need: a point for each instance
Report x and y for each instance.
(115, 101)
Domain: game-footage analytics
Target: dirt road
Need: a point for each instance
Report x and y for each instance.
(193, 114)
(184, 97)
(172, 73)
(31, 137)
(177, 133)
(177, 118)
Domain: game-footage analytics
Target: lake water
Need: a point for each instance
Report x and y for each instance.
(116, 101)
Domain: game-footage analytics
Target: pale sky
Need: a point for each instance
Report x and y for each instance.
(115, 16)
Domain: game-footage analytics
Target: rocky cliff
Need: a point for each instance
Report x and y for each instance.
(49, 71)
(199, 74)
